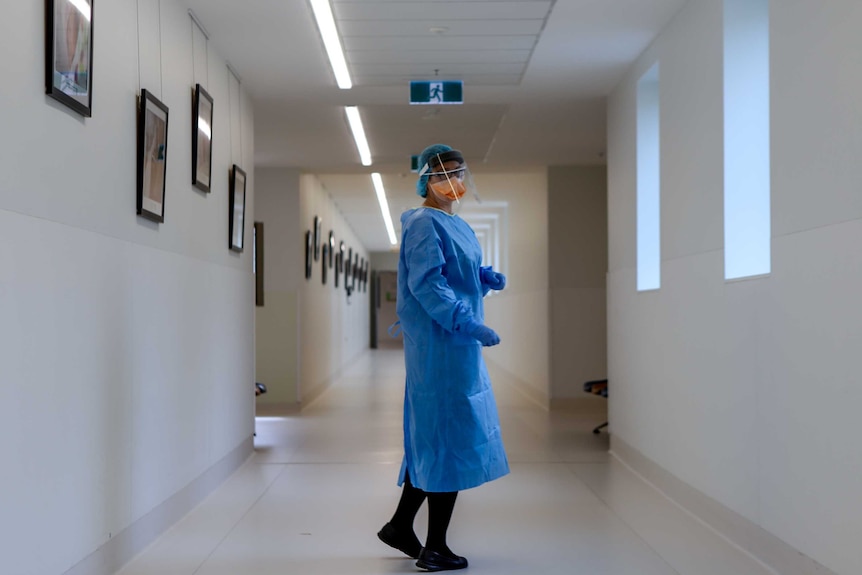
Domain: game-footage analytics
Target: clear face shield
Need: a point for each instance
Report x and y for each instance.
(450, 178)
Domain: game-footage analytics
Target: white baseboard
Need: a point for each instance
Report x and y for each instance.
(743, 534)
(123, 547)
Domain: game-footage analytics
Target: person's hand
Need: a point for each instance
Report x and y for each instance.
(484, 334)
(466, 324)
(492, 279)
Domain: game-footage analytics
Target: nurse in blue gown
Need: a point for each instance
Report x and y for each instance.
(451, 428)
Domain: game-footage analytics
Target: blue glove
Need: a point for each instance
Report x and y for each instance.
(484, 334)
(464, 322)
(492, 279)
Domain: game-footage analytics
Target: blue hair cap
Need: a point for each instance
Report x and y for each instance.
(428, 153)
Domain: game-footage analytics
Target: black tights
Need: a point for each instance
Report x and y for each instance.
(440, 506)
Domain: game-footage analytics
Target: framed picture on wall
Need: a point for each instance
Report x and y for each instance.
(69, 53)
(317, 239)
(331, 247)
(152, 156)
(202, 135)
(309, 253)
(348, 269)
(324, 268)
(355, 271)
(357, 277)
(339, 263)
(257, 261)
(236, 225)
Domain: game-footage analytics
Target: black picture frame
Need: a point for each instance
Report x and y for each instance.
(348, 269)
(309, 253)
(317, 232)
(69, 53)
(337, 269)
(331, 247)
(258, 263)
(355, 271)
(236, 208)
(202, 134)
(339, 263)
(324, 268)
(152, 156)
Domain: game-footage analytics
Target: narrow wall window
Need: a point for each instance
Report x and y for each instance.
(747, 228)
(648, 182)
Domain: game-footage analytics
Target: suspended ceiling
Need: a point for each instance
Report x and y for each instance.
(536, 76)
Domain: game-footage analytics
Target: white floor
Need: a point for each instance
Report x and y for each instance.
(321, 483)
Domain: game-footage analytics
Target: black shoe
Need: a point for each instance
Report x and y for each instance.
(407, 543)
(433, 561)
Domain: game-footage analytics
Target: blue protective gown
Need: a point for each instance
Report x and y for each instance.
(451, 428)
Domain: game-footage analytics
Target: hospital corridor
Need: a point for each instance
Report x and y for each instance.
(322, 482)
(279, 279)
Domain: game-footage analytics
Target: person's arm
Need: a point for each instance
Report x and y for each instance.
(424, 260)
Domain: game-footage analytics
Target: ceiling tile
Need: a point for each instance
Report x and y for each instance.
(539, 101)
(453, 28)
(432, 9)
(356, 44)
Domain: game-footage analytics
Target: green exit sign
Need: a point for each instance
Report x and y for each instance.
(436, 92)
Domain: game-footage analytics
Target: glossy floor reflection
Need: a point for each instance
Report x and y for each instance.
(321, 483)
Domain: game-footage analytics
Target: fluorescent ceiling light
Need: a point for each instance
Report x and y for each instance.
(384, 207)
(358, 134)
(326, 25)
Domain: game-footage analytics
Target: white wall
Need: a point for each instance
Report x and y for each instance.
(276, 323)
(578, 260)
(126, 347)
(334, 328)
(747, 390)
(307, 332)
(522, 308)
(385, 261)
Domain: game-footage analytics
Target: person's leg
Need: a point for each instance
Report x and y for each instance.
(436, 555)
(440, 507)
(408, 506)
(398, 533)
